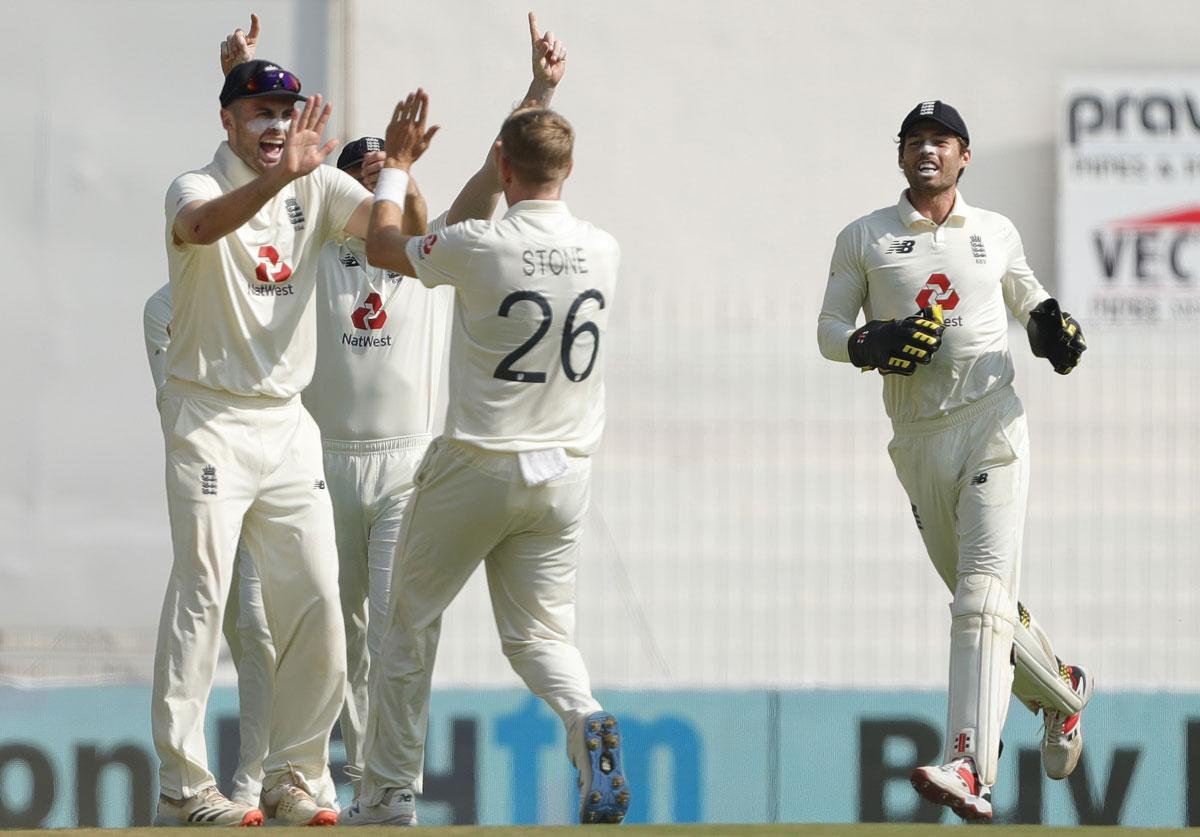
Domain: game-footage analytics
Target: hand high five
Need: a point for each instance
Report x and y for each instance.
(239, 47)
(549, 54)
(406, 138)
(302, 150)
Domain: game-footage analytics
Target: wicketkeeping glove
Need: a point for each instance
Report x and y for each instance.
(1056, 336)
(895, 347)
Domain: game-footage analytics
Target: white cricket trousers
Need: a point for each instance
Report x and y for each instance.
(246, 467)
(371, 485)
(471, 505)
(966, 475)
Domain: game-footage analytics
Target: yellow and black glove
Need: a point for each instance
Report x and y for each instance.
(1056, 336)
(895, 347)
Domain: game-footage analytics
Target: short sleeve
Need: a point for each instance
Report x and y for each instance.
(444, 257)
(341, 194)
(185, 189)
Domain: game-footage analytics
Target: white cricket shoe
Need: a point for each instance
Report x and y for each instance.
(291, 803)
(955, 785)
(398, 807)
(1062, 736)
(208, 807)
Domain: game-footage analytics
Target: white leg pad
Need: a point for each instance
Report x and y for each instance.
(981, 674)
(1041, 680)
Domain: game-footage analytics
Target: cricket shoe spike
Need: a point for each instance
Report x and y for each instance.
(208, 807)
(291, 803)
(603, 791)
(398, 807)
(1062, 735)
(955, 785)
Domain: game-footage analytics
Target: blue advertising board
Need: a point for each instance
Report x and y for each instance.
(83, 757)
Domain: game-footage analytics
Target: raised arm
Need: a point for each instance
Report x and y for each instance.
(204, 222)
(481, 193)
(406, 140)
(239, 47)
(416, 213)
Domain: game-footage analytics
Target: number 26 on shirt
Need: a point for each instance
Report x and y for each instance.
(505, 370)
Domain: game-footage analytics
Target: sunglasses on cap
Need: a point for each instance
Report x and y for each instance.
(266, 81)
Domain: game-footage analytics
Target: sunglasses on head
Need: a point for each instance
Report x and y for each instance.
(265, 81)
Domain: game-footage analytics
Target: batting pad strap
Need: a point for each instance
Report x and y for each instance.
(1040, 680)
(392, 186)
(981, 635)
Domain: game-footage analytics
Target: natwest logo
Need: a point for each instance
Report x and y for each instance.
(370, 316)
(271, 268)
(937, 290)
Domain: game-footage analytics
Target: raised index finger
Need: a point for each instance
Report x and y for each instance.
(534, 34)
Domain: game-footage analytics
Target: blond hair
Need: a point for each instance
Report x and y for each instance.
(538, 144)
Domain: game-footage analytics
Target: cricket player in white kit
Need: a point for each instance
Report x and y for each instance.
(960, 446)
(507, 484)
(381, 341)
(245, 624)
(243, 455)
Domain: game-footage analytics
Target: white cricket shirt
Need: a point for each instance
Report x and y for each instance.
(244, 305)
(381, 339)
(156, 322)
(533, 290)
(895, 261)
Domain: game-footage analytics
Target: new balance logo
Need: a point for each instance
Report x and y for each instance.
(917, 517)
(979, 479)
(208, 480)
(348, 259)
(977, 250)
(319, 485)
(901, 245)
(295, 213)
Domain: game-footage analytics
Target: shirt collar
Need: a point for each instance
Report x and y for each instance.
(547, 207)
(959, 213)
(232, 166)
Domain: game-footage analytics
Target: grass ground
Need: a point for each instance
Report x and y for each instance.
(861, 830)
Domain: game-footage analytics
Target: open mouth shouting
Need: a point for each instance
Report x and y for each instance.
(270, 150)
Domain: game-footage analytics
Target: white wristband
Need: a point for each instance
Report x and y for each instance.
(392, 186)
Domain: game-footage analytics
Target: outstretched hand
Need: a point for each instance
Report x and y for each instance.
(549, 55)
(239, 47)
(302, 149)
(407, 138)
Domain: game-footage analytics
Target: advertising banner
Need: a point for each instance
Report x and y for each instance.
(83, 757)
(1129, 196)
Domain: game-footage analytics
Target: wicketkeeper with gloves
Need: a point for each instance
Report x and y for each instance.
(933, 277)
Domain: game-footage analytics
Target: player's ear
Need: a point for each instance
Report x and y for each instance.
(503, 165)
(226, 119)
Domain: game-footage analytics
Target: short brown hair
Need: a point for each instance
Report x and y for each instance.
(538, 143)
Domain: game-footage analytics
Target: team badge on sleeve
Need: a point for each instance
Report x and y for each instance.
(427, 244)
